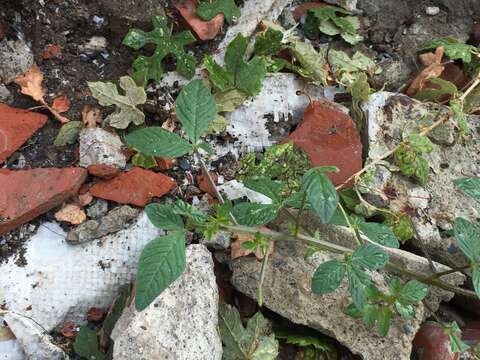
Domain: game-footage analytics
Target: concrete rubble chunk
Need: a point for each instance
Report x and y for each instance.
(98, 146)
(114, 221)
(60, 282)
(350, 5)
(180, 324)
(438, 203)
(16, 58)
(36, 343)
(287, 291)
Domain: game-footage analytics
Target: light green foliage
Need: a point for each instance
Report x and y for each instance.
(162, 261)
(360, 91)
(269, 42)
(68, 133)
(454, 335)
(402, 226)
(468, 237)
(86, 344)
(313, 64)
(472, 101)
(144, 161)
(409, 157)
(311, 346)
(321, 194)
(459, 114)
(441, 89)
(150, 68)
(332, 20)
(229, 100)
(255, 342)
(238, 73)
(454, 49)
(217, 126)
(283, 162)
(346, 70)
(470, 186)
(207, 10)
(126, 110)
(196, 109)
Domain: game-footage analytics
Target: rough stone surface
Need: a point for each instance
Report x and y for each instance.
(26, 194)
(5, 95)
(287, 291)
(329, 138)
(60, 282)
(97, 209)
(350, 5)
(114, 221)
(131, 12)
(205, 30)
(135, 187)
(181, 324)
(35, 342)
(103, 171)
(438, 203)
(16, 127)
(16, 58)
(98, 146)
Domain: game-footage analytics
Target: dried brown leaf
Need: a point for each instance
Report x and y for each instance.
(430, 58)
(91, 116)
(237, 250)
(61, 104)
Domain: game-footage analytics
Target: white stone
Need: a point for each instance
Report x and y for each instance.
(35, 342)
(60, 282)
(432, 10)
(181, 324)
(98, 146)
(16, 58)
(236, 190)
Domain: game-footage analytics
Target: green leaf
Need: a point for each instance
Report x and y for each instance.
(476, 278)
(405, 311)
(468, 237)
(357, 281)
(412, 292)
(321, 193)
(470, 186)
(370, 257)
(353, 311)
(395, 286)
(266, 186)
(196, 109)
(150, 68)
(328, 277)
(346, 70)
(164, 217)
(454, 49)
(126, 110)
(313, 63)
(436, 89)
(333, 22)
(254, 214)
(86, 344)
(383, 320)
(221, 79)
(158, 142)
(269, 42)
(256, 342)
(162, 261)
(229, 100)
(208, 10)
(250, 76)
(369, 314)
(379, 233)
(459, 110)
(454, 335)
(234, 56)
(115, 312)
(419, 143)
(68, 133)
(144, 161)
(411, 163)
(401, 225)
(206, 146)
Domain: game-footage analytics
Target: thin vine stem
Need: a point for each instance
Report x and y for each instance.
(338, 249)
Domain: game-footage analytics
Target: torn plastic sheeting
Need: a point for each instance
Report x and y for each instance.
(236, 190)
(11, 350)
(61, 282)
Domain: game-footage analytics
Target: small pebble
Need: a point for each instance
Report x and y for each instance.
(184, 165)
(432, 10)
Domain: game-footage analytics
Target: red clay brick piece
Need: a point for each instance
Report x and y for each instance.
(431, 343)
(329, 137)
(205, 30)
(103, 171)
(26, 194)
(204, 185)
(135, 187)
(16, 127)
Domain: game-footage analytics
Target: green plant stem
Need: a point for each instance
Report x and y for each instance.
(266, 256)
(451, 271)
(353, 230)
(300, 213)
(338, 249)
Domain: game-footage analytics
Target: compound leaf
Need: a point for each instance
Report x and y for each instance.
(328, 276)
(370, 257)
